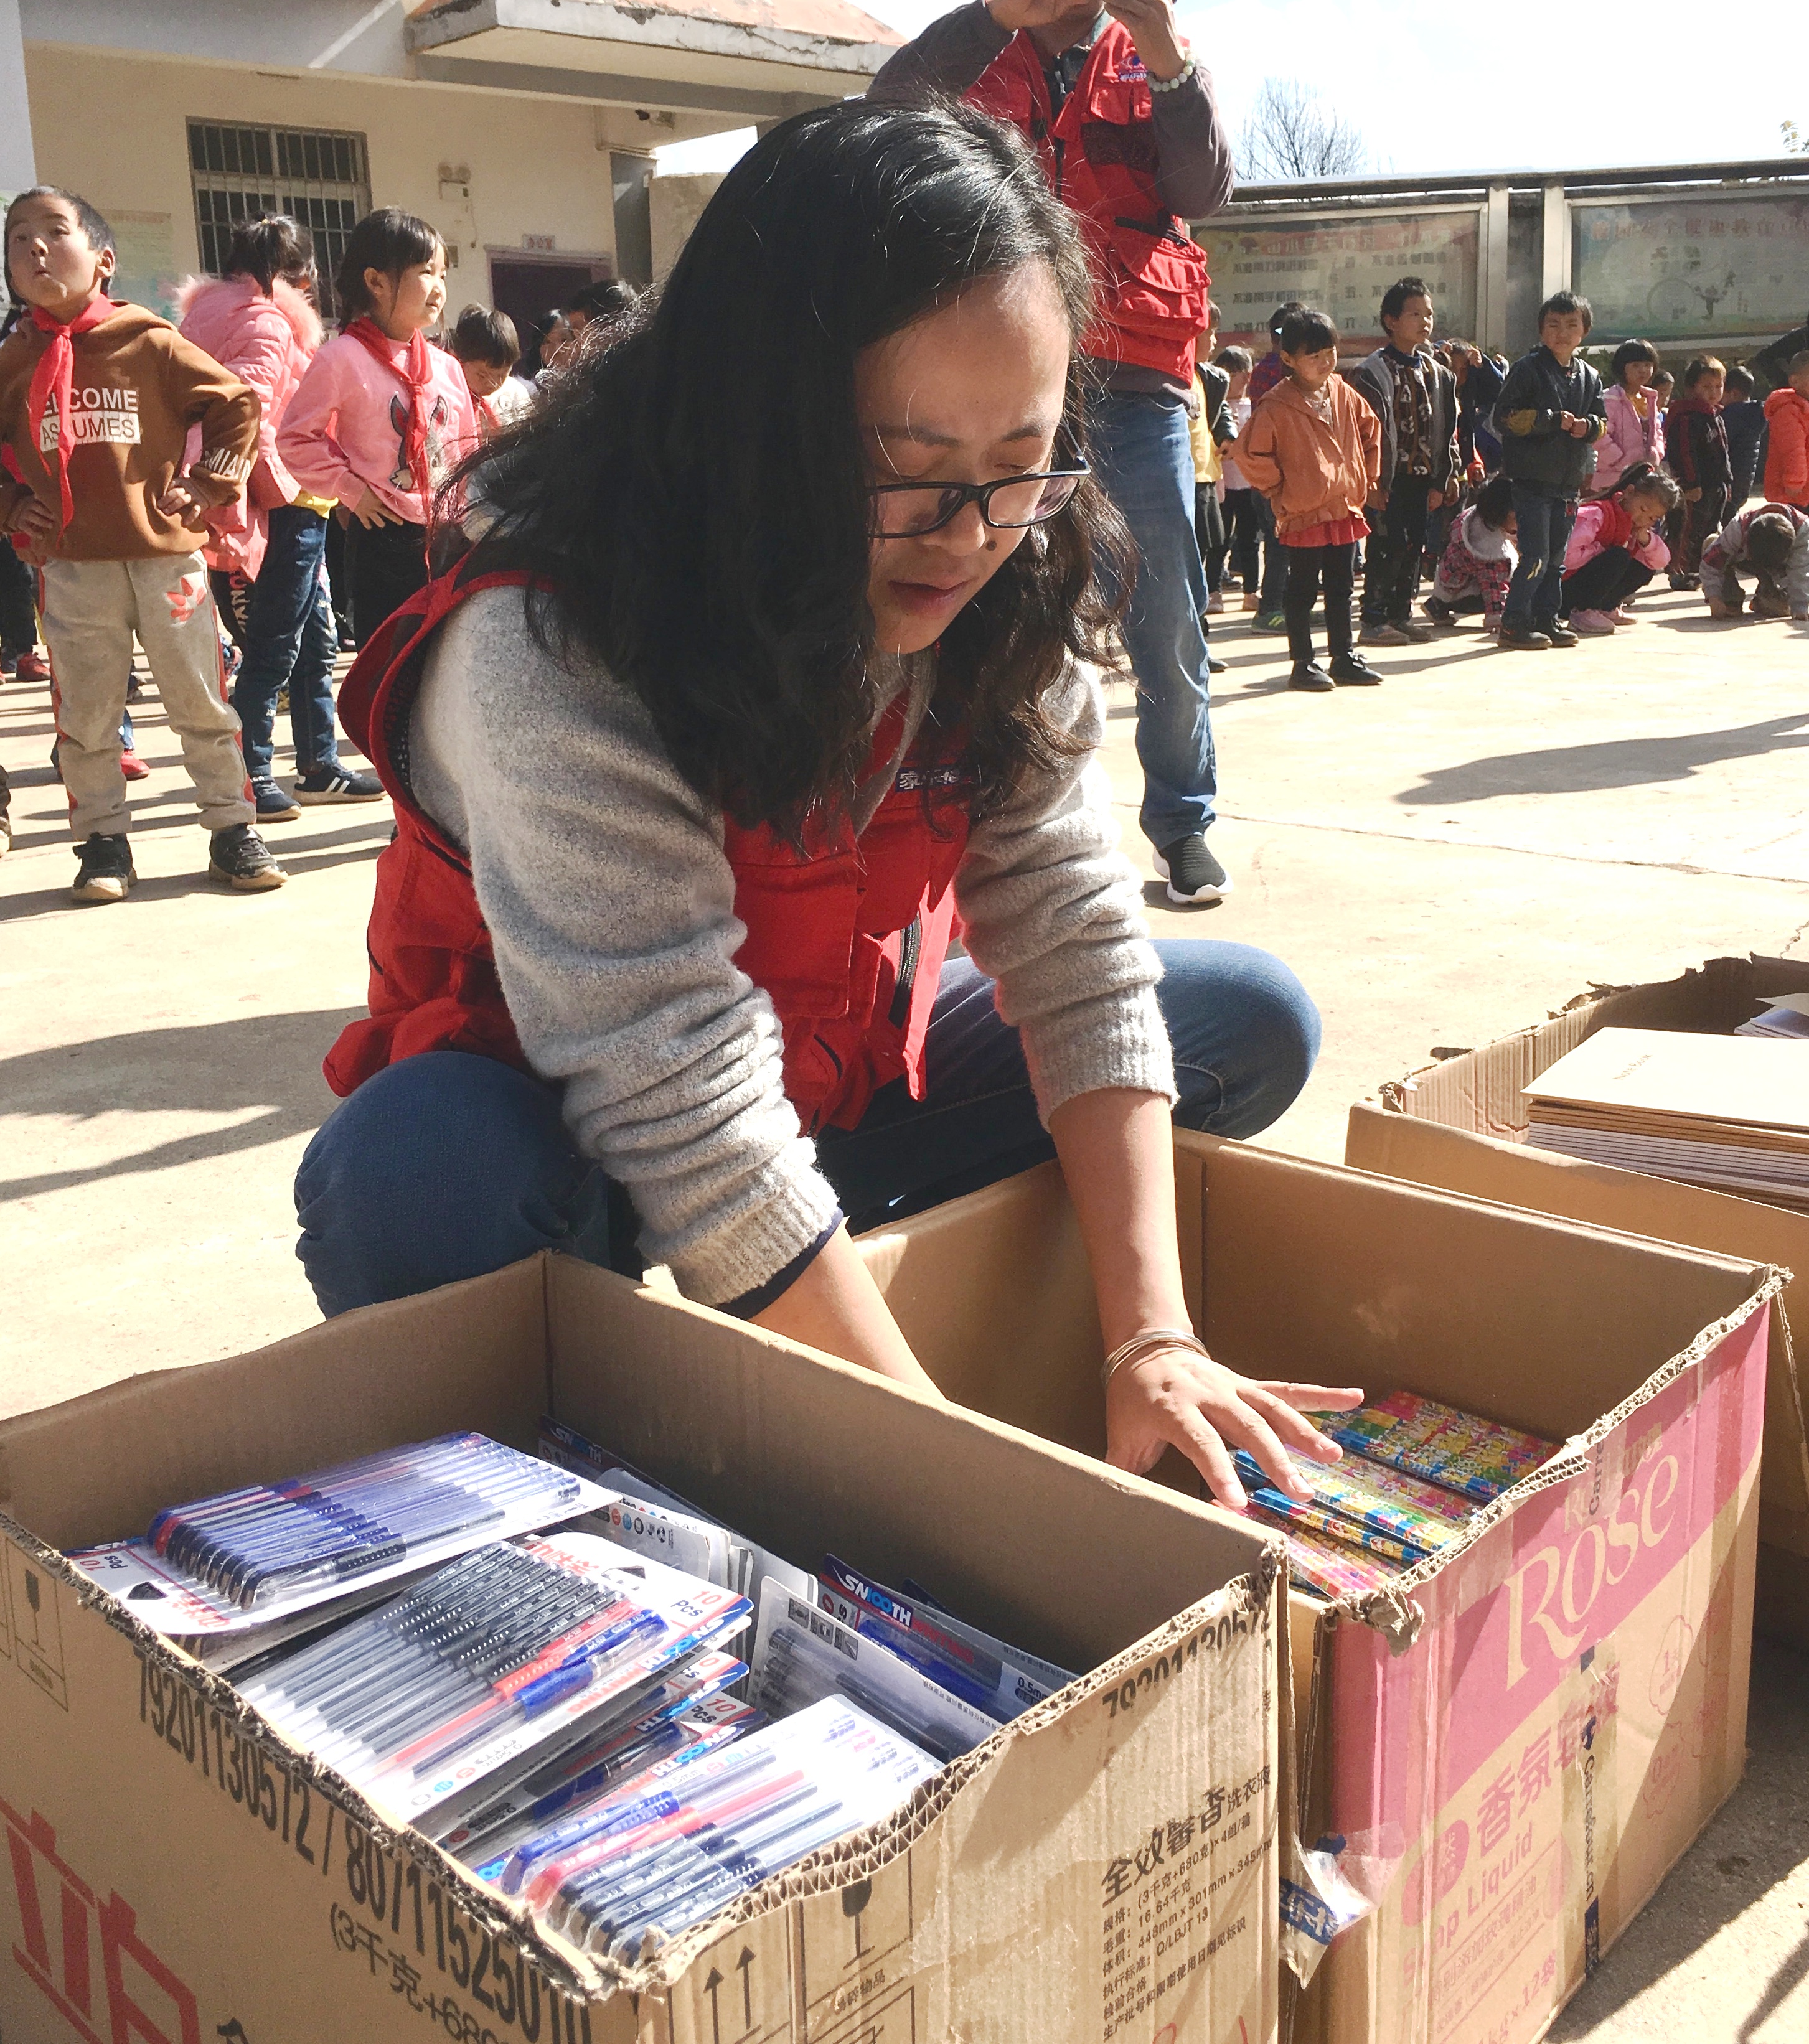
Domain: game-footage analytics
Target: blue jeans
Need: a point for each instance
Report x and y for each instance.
(1534, 594)
(1144, 462)
(448, 1165)
(290, 642)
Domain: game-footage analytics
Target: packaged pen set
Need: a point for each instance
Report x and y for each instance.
(536, 1661)
(1414, 1473)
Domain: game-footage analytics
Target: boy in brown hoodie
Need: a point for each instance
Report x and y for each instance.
(1313, 449)
(96, 403)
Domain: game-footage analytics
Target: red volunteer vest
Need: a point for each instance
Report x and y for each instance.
(1100, 155)
(847, 939)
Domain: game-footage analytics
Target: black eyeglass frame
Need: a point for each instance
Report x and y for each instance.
(981, 494)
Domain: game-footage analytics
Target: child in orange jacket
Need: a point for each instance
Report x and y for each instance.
(1787, 424)
(1313, 449)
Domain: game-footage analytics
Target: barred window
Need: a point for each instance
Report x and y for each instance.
(321, 180)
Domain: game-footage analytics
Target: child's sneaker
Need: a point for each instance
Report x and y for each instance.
(1621, 616)
(1215, 603)
(240, 858)
(1522, 642)
(1354, 671)
(273, 805)
(1560, 634)
(33, 667)
(132, 766)
(337, 784)
(1252, 601)
(1311, 679)
(106, 869)
(1385, 635)
(1193, 873)
(1439, 611)
(1269, 621)
(1592, 624)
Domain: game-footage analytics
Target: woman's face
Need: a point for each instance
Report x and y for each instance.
(970, 392)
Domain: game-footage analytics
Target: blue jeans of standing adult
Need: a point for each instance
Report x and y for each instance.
(1144, 461)
(1537, 589)
(290, 642)
(450, 1164)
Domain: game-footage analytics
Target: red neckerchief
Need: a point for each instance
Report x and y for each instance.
(1616, 527)
(415, 370)
(54, 380)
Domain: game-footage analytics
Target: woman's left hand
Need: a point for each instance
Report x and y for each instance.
(1174, 1397)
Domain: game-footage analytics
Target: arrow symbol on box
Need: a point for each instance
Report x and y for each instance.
(709, 1988)
(741, 1965)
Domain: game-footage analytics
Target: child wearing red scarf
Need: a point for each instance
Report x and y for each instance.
(97, 401)
(381, 418)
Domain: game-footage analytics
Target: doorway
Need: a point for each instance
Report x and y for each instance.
(528, 287)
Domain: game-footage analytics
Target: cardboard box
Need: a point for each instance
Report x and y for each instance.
(1528, 1734)
(1105, 1867)
(1462, 1123)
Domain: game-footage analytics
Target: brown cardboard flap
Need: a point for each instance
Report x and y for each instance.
(98, 1466)
(1095, 1560)
(1539, 1324)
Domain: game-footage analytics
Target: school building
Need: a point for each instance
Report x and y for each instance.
(1688, 256)
(524, 129)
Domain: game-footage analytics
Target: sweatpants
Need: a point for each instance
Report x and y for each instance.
(90, 610)
(1306, 567)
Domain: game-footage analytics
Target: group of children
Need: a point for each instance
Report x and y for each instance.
(149, 470)
(1545, 501)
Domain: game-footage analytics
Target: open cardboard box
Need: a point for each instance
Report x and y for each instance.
(1105, 1865)
(1524, 1738)
(1462, 1123)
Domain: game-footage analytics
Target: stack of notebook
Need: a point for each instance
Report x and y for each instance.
(1728, 1112)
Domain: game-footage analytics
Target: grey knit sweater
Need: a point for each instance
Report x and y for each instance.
(602, 876)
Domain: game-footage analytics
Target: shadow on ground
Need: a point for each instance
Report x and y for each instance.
(1620, 763)
(267, 1062)
(1756, 1840)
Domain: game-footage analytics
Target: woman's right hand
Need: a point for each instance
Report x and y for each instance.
(371, 510)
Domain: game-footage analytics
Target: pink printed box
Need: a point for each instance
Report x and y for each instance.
(1496, 1761)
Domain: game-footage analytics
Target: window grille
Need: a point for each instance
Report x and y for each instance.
(321, 179)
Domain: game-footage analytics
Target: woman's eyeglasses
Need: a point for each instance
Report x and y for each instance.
(906, 510)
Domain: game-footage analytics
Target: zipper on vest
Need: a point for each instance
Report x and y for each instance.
(910, 949)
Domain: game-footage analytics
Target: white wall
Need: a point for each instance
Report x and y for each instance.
(675, 202)
(17, 169)
(113, 128)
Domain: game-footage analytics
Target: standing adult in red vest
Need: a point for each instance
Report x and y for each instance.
(1125, 123)
(704, 747)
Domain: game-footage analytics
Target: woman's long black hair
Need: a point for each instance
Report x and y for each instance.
(693, 488)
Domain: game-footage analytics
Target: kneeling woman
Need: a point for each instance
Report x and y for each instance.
(735, 710)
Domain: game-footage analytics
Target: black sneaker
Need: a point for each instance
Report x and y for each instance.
(1439, 611)
(1269, 620)
(1311, 679)
(1214, 665)
(240, 858)
(1523, 642)
(1193, 873)
(1354, 671)
(1560, 633)
(337, 784)
(273, 805)
(106, 870)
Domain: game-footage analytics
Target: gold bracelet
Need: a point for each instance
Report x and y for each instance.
(1151, 1338)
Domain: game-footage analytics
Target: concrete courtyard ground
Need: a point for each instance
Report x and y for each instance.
(1442, 859)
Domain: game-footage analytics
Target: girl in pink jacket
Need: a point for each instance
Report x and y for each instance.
(1616, 549)
(381, 417)
(1635, 437)
(258, 321)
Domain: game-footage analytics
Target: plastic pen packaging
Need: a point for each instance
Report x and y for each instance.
(1327, 1567)
(246, 1557)
(423, 1701)
(1439, 1444)
(1002, 1680)
(1345, 1506)
(652, 1866)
